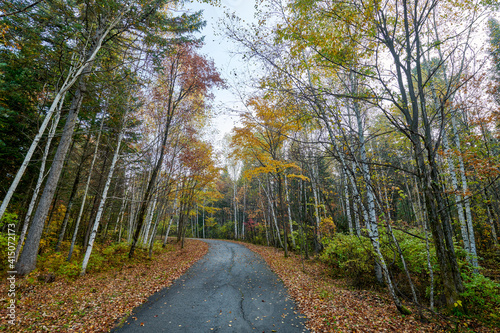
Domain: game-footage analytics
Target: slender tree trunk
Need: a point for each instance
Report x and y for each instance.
(468, 214)
(152, 239)
(72, 196)
(103, 198)
(289, 212)
(203, 219)
(458, 197)
(347, 204)
(264, 215)
(149, 218)
(97, 198)
(168, 231)
(273, 214)
(41, 176)
(85, 192)
(149, 190)
(170, 222)
(282, 212)
(121, 214)
(235, 212)
(28, 258)
(491, 219)
(317, 235)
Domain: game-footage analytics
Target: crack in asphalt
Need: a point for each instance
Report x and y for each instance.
(230, 290)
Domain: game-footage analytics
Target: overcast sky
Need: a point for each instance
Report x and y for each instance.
(221, 50)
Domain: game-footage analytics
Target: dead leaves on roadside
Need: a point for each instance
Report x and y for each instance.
(331, 307)
(93, 303)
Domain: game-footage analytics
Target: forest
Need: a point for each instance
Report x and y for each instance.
(369, 141)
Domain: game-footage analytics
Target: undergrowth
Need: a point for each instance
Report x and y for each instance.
(352, 257)
(104, 257)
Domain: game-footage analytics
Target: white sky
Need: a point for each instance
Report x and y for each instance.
(221, 50)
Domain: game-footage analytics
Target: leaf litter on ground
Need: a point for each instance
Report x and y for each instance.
(331, 306)
(96, 301)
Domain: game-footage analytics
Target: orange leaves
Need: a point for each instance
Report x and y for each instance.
(330, 306)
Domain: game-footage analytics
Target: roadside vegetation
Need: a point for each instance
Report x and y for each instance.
(55, 298)
(337, 297)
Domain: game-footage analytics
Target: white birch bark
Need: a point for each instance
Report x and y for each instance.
(168, 231)
(73, 75)
(136, 195)
(170, 222)
(372, 217)
(235, 212)
(272, 215)
(85, 192)
(203, 218)
(374, 238)
(468, 214)
(289, 212)
(458, 197)
(122, 209)
(348, 205)
(456, 139)
(316, 203)
(103, 199)
(492, 225)
(153, 234)
(244, 210)
(149, 218)
(41, 176)
(28, 258)
(159, 216)
(265, 217)
(119, 222)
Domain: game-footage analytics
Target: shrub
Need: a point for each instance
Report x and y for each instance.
(55, 263)
(482, 298)
(8, 218)
(4, 250)
(351, 257)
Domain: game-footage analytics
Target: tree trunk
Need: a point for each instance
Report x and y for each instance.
(85, 192)
(97, 198)
(41, 176)
(103, 198)
(289, 212)
(282, 212)
(149, 218)
(28, 258)
(347, 205)
(149, 190)
(458, 197)
(72, 196)
(121, 214)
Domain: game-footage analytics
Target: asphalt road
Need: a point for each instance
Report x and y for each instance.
(230, 289)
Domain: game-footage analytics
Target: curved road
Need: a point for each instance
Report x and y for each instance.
(230, 289)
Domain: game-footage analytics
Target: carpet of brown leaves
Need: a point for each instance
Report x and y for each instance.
(94, 303)
(331, 306)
